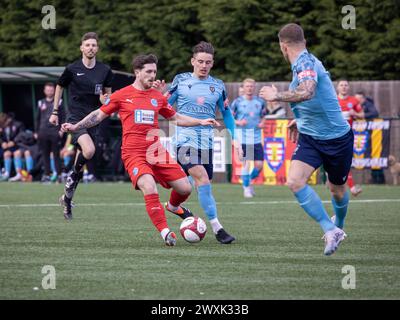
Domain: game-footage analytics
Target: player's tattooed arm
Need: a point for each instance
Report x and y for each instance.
(91, 120)
(305, 91)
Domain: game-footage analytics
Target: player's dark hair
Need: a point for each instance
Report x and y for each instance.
(139, 61)
(291, 33)
(49, 84)
(90, 35)
(204, 47)
(361, 93)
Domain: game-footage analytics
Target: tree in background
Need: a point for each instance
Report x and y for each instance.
(244, 33)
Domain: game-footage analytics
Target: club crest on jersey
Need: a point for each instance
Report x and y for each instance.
(360, 142)
(154, 102)
(98, 89)
(135, 171)
(212, 89)
(274, 152)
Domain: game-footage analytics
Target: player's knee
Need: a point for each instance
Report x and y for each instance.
(337, 191)
(27, 153)
(17, 154)
(89, 152)
(185, 189)
(295, 184)
(7, 155)
(147, 185)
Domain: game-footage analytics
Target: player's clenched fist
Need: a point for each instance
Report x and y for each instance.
(268, 93)
(68, 127)
(54, 119)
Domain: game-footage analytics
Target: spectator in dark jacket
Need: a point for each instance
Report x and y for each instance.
(48, 135)
(370, 112)
(368, 106)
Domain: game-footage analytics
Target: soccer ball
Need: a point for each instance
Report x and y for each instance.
(193, 229)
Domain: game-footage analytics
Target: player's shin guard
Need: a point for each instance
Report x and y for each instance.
(177, 199)
(155, 211)
(207, 201)
(340, 208)
(312, 204)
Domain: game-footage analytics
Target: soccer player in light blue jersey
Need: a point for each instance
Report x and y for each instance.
(197, 94)
(323, 136)
(248, 111)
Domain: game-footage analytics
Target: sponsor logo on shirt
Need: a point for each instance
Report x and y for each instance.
(135, 171)
(201, 100)
(129, 100)
(144, 116)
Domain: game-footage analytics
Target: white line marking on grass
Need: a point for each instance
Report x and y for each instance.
(110, 204)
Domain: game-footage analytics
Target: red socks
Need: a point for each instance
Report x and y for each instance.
(176, 199)
(156, 211)
(350, 181)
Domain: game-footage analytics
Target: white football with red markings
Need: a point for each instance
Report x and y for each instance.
(193, 229)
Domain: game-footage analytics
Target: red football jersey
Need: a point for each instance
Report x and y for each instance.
(347, 104)
(138, 111)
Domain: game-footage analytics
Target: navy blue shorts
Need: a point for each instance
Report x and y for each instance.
(335, 155)
(189, 157)
(253, 152)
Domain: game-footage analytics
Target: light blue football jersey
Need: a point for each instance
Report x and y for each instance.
(252, 111)
(321, 116)
(198, 99)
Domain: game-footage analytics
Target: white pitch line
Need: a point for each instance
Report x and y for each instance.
(29, 205)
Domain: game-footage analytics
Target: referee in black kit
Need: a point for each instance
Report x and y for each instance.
(86, 79)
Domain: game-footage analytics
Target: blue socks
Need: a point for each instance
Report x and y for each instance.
(52, 165)
(207, 201)
(245, 178)
(7, 165)
(254, 174)
(67, 159)
(312, 204)
(340, 208)
(17, 164)
(29, 163)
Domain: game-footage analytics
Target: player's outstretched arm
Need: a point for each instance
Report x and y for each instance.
(186, 121)
(57, 96)
(91, 120)
(305, 91)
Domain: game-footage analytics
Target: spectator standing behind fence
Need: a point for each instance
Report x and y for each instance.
(368, 106)
(351, 110)
(48, 135)
(370, 113)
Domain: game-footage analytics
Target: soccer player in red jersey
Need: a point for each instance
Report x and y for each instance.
(145, 159)
(351, 109)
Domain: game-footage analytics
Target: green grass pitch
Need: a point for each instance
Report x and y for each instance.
(112, 251)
